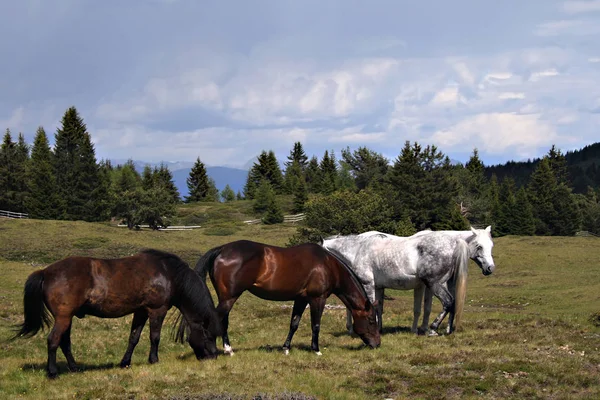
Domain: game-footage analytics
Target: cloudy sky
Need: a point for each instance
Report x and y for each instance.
(222, 80)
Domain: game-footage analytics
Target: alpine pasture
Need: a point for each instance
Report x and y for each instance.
(530, 330)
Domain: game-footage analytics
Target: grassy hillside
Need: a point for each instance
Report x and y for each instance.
(530, 329)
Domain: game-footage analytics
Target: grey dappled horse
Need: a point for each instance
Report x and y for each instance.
(428, 261)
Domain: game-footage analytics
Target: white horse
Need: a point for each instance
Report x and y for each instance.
(348, 245)
(426, 262)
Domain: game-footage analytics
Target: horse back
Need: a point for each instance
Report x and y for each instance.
(106, 287)
(272, 272)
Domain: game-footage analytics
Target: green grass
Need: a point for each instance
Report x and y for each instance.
(530, 330)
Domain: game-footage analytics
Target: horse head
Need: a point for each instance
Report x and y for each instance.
(203, 340)
(365, 324)
(480, 249)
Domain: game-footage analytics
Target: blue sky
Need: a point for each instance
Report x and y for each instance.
(222, 80)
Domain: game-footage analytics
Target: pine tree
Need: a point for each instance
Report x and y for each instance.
(7, 173)
(567, 219)
(524, 223)
(197, 183)
(313, 175)
(164, 179)
(297, 155)
(328, 173)
(21, 161)
(227, 194)
(558, 165)
(505, 223)
(213, 192)
(267, 168)
(147, 176)
(127, 194)
(293, 175)
(75, 168)
(239, 196)
(42, 202)
(265, 195)
(542, 187)
(300, 196)
(367, 167)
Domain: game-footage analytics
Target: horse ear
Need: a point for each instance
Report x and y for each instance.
(473, 230)
(321, 240)
(488, 229)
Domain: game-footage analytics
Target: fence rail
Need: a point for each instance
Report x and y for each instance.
(586, 233)
(168, 228)
(288, 219)
(10, 214)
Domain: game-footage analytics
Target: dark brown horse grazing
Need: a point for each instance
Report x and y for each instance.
(307, 274)
(147, 284)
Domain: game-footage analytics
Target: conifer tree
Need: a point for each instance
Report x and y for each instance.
(267, 168)
(264, 197)
(524, 223)
(300, 196)
(542, 187)
(213, 192)
(558, 165)
(293, 175)
(505, 220)
(297, 155)
(197, 183)
(328, 173)
(127, 193)
(7, 173)
(367, 167)
(75, 168)
(42, 202)
(313, 175)
(164, 179)
(239, 196)
(227, 194)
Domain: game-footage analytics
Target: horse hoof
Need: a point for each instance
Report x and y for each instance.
(52, 375)
(228, 350)
(286, 352)
(432, 333)
(319, 353)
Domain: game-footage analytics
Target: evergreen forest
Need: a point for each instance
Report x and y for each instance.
(421, 188)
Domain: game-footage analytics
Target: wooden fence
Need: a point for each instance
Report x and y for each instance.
(168, 228)
(10, 214)
(287, 219)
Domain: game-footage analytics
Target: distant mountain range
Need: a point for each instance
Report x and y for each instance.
(234, 177)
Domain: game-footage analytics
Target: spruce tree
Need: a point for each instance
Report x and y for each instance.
(524, 223)
(266, 167)
(21, 162)
(567, 218)
(367, 167)
(328, 173)
(300, 196)
(264, 197)
(558, 165)
(42, 202)
(505, 222)
(297, 155)
(7, 173)
(542, 188)
(227, 194)
(313, 175)
(127, 194)
(197, 183)
(164, 179)
(75, 168)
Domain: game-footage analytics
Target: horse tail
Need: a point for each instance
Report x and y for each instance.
(36, 313)
(206, 263)
(461, 268)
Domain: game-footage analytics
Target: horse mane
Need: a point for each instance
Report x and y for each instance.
(188, 284)
(346, 264)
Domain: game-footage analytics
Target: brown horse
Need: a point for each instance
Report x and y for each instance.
(147, 284)
(307, 274)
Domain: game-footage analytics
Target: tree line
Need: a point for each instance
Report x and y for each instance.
(363, 190)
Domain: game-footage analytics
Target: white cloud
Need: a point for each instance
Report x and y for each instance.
(594, 59)
(576, 7)
(448, 96)
(497, 133)
(511, 95)
(575, 27)
(536, 76)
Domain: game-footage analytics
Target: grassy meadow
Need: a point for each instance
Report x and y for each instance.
(530, 330)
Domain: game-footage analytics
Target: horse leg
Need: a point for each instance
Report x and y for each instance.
(349, 322)
(427, 309)
(452, 290)
(417, 299)
(65, 346)
(61, 325)
(156, 320)
(139, 320)
(223, 310)
(317, 304)
(379, 298)
(441, 292)
(298, 310)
